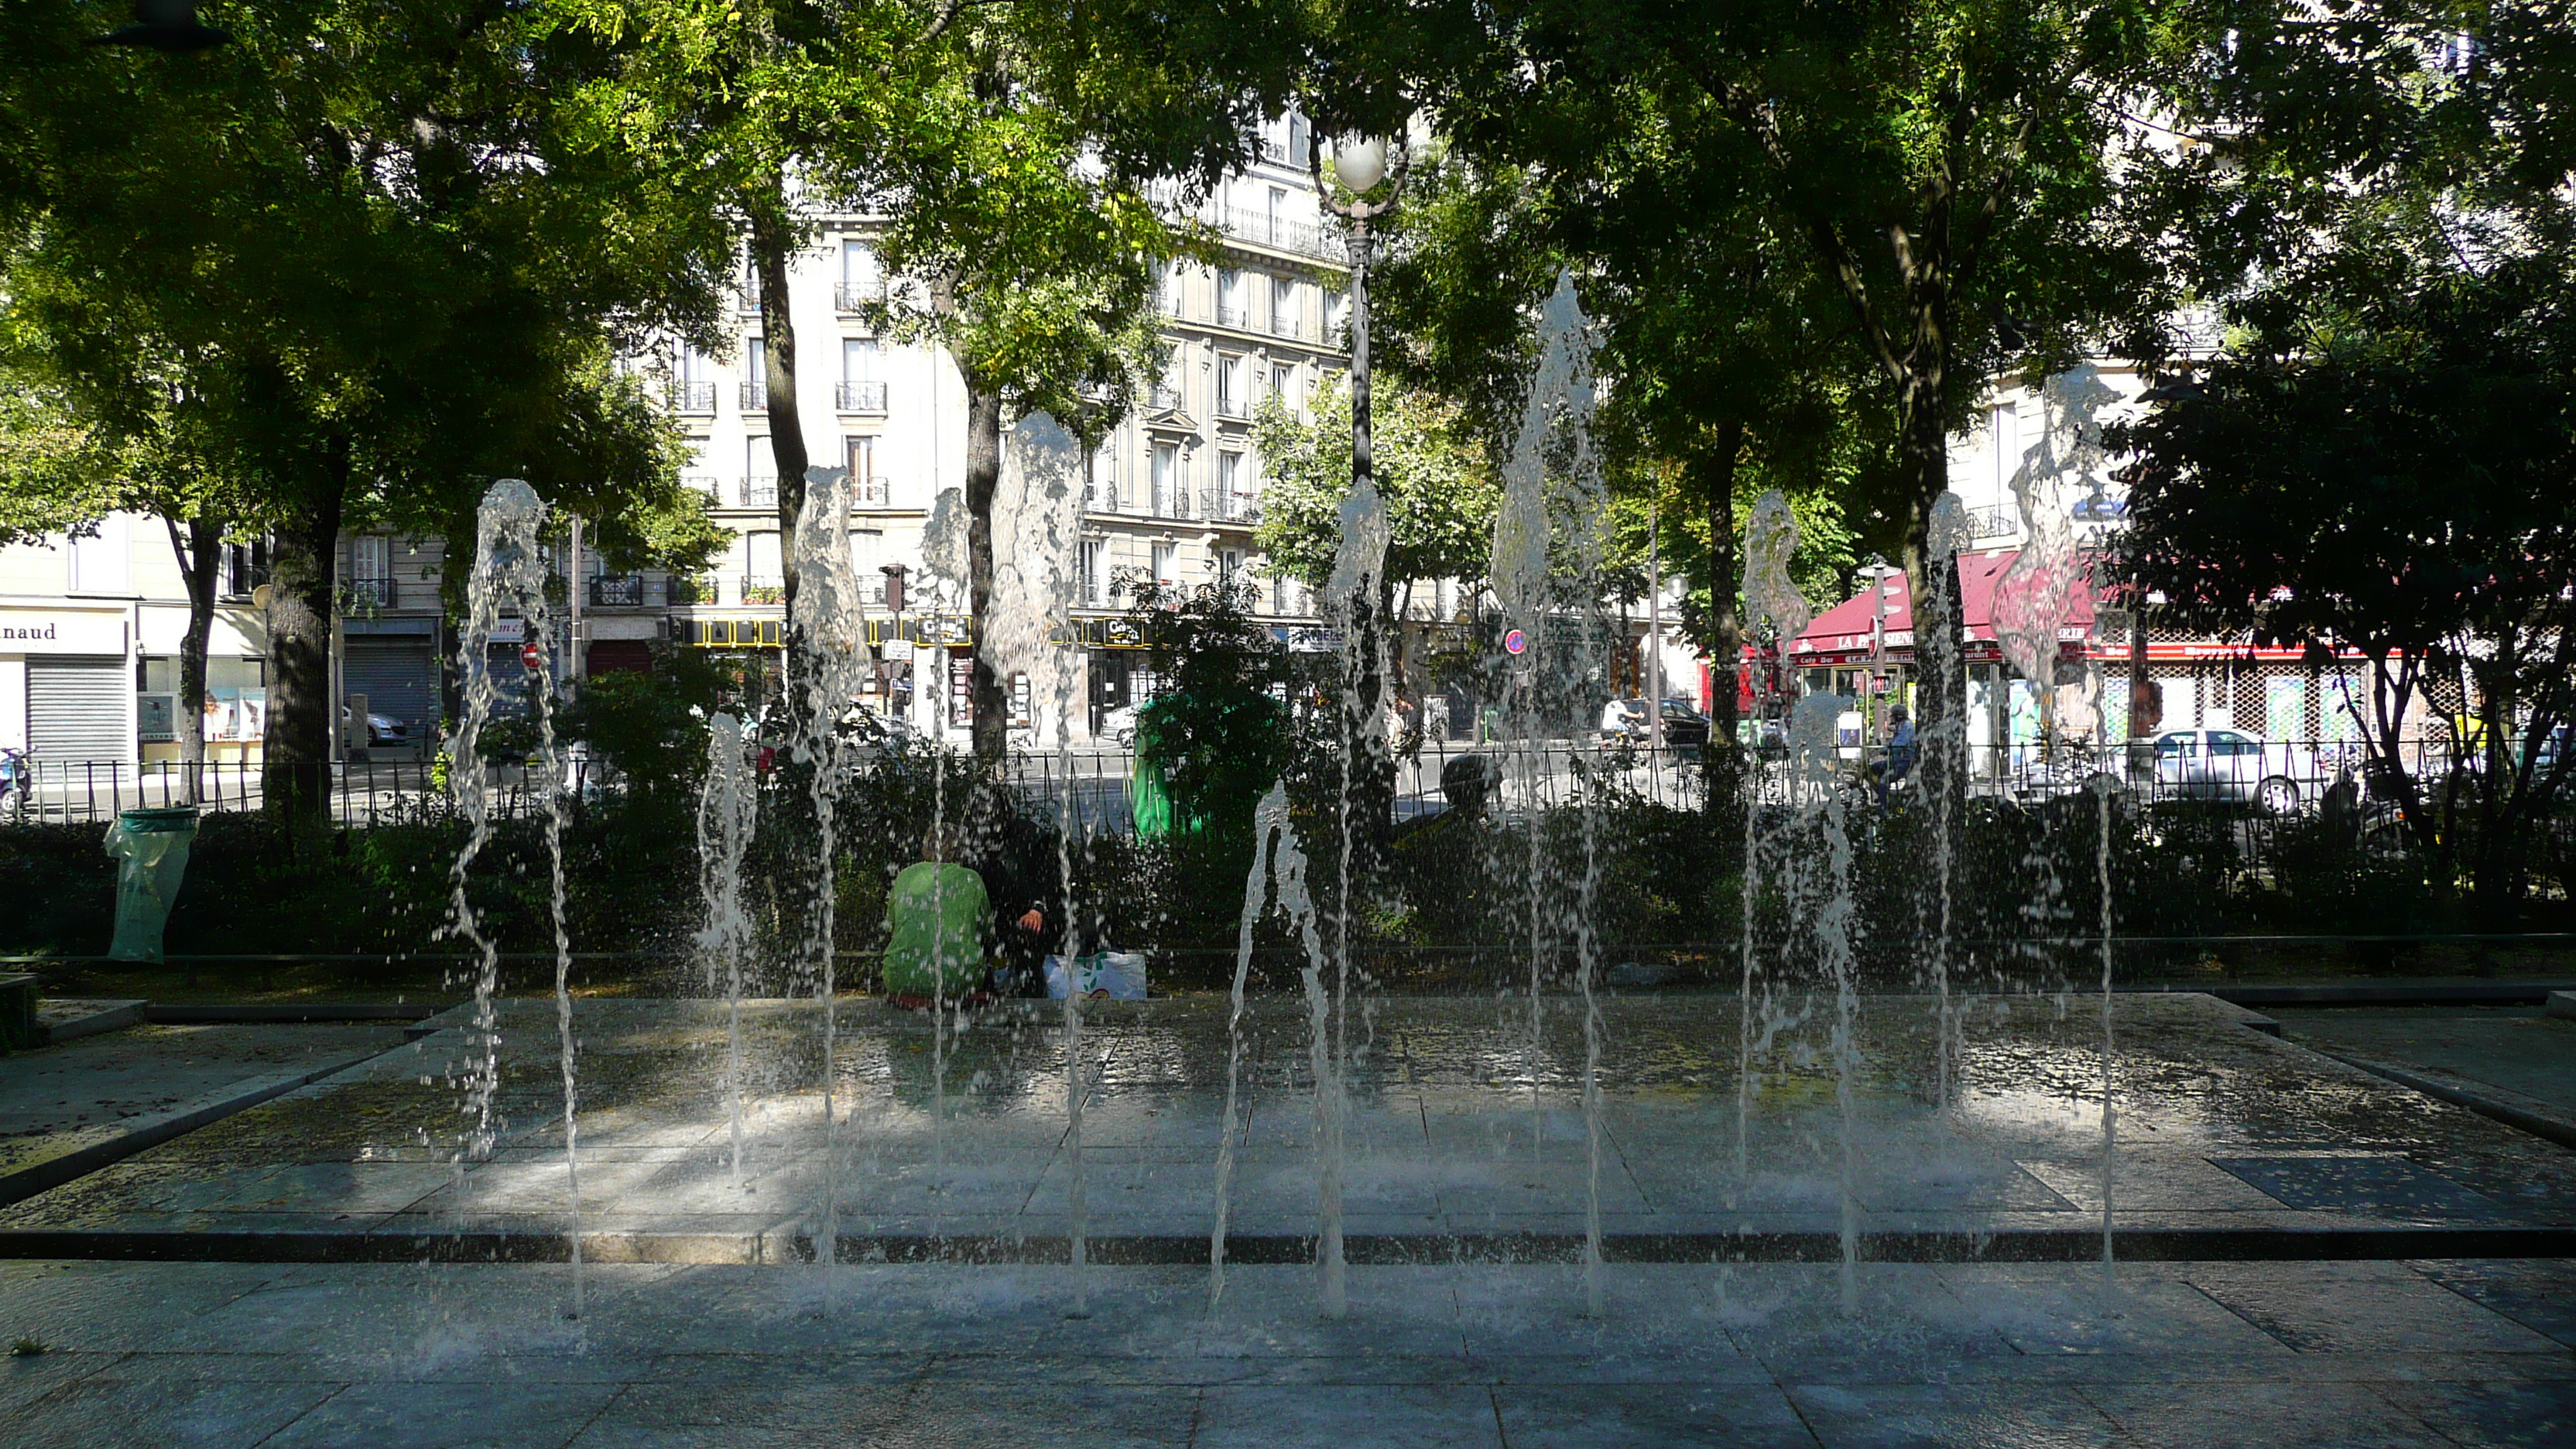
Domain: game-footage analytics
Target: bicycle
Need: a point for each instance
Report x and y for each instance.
(18, 782)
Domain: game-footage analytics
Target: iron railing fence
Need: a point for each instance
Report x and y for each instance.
(2286, 782)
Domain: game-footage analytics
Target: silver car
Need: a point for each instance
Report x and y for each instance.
(2233, 765)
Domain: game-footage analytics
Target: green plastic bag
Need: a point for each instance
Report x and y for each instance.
(153, 844)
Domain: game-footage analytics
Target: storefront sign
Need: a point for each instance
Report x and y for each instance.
(55, 631)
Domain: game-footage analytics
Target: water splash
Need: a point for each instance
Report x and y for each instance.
(1774, 609)
(728, 810)
(1354, 592)
(1937, 745)
(509, 572)
(1037, 528)
(1814, 744)
(825, 617)
(2103, 789)
(1278, 866)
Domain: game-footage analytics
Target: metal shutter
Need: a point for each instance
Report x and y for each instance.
(76, 708)
(399, 677)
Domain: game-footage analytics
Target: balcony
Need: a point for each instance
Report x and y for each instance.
(1303, 238)
(617, 591)
(874, 492)
(701, 590)
(760, 493)
(693, 397)
(1167, 399)
(1275, 151)
(1171, 503)
(1291, 325)
(371, 593)
(752, 397)
(764, 591)
(1235, 317)
(852, 296)
(1237, 508)
(699, 482)
(1231, 407)
(1985, 523)
(860, 397)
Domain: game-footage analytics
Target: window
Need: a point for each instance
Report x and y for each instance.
(860, 284)
(1168, 293)
(867, 552)
(1229, 299)
(755, 361)
(1229, 565)
(1229, 387)
(245, 568)
(1279, 213)
(867, 490)
(757, 460)
(371, 557)
(1167, 568)
(1233, 486)
(1167, 479)
(766, 568)
(859, 357)
(1094, 563)
(1283, 384)
(2006, 438)
(1285, 317)
(1100, 481)
(1337, 310)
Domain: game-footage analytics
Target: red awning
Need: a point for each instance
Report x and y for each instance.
(1841, 634)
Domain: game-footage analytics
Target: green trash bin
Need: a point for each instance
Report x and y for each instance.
(153, 844)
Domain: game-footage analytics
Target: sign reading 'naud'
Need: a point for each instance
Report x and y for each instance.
(42, 631)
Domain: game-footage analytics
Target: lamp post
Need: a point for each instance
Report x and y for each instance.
(1359, 163)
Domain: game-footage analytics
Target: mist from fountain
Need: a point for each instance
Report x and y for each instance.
(728, 811)
(1773, 607)
(510, 571)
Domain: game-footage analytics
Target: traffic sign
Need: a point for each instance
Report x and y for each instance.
(1515, 642)
(528, 654)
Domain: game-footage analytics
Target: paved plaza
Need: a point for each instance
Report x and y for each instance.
(2309, 1253)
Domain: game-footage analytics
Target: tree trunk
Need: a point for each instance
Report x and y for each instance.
(769, 255)
(1923, 452)
(199, 553)
(295, 774)
(1725, 619)
(983, 480)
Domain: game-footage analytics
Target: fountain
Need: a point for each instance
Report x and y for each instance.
(509, 573)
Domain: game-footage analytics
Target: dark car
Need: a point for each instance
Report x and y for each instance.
(1684, 725)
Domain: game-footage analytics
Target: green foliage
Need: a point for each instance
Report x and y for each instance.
(1438, 482)
(1219, 729)
(651, 727)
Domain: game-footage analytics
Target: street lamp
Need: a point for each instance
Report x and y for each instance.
(1360, 164)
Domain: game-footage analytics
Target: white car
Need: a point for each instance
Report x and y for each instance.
(1119, 725)
(2233, 765)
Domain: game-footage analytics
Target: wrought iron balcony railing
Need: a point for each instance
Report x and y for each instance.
(861, 397)
(372, 593)
(760, 493)
(693, 397)
(617, 591)
(753, 397)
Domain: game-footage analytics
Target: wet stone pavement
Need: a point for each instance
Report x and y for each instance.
(2310, 1254)
(2437, 1353)
(1464, 1139)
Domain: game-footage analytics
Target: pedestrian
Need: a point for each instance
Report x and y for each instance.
(1900, 751)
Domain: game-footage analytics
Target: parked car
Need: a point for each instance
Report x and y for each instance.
(1119, 725)
(2232, 765)
(382, 730)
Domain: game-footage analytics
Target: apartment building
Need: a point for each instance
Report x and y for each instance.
(1173, 494)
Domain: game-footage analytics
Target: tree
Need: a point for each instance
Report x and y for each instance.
(1437, 481)
(362, 262)
(2381, 460)
(1950, 172)
(1040, 275)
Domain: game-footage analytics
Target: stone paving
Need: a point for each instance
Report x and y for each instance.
(1465, 1139)
(2436, 1353)
(2515, 1054)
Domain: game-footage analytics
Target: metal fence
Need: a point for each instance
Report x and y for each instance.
(1096, 785)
